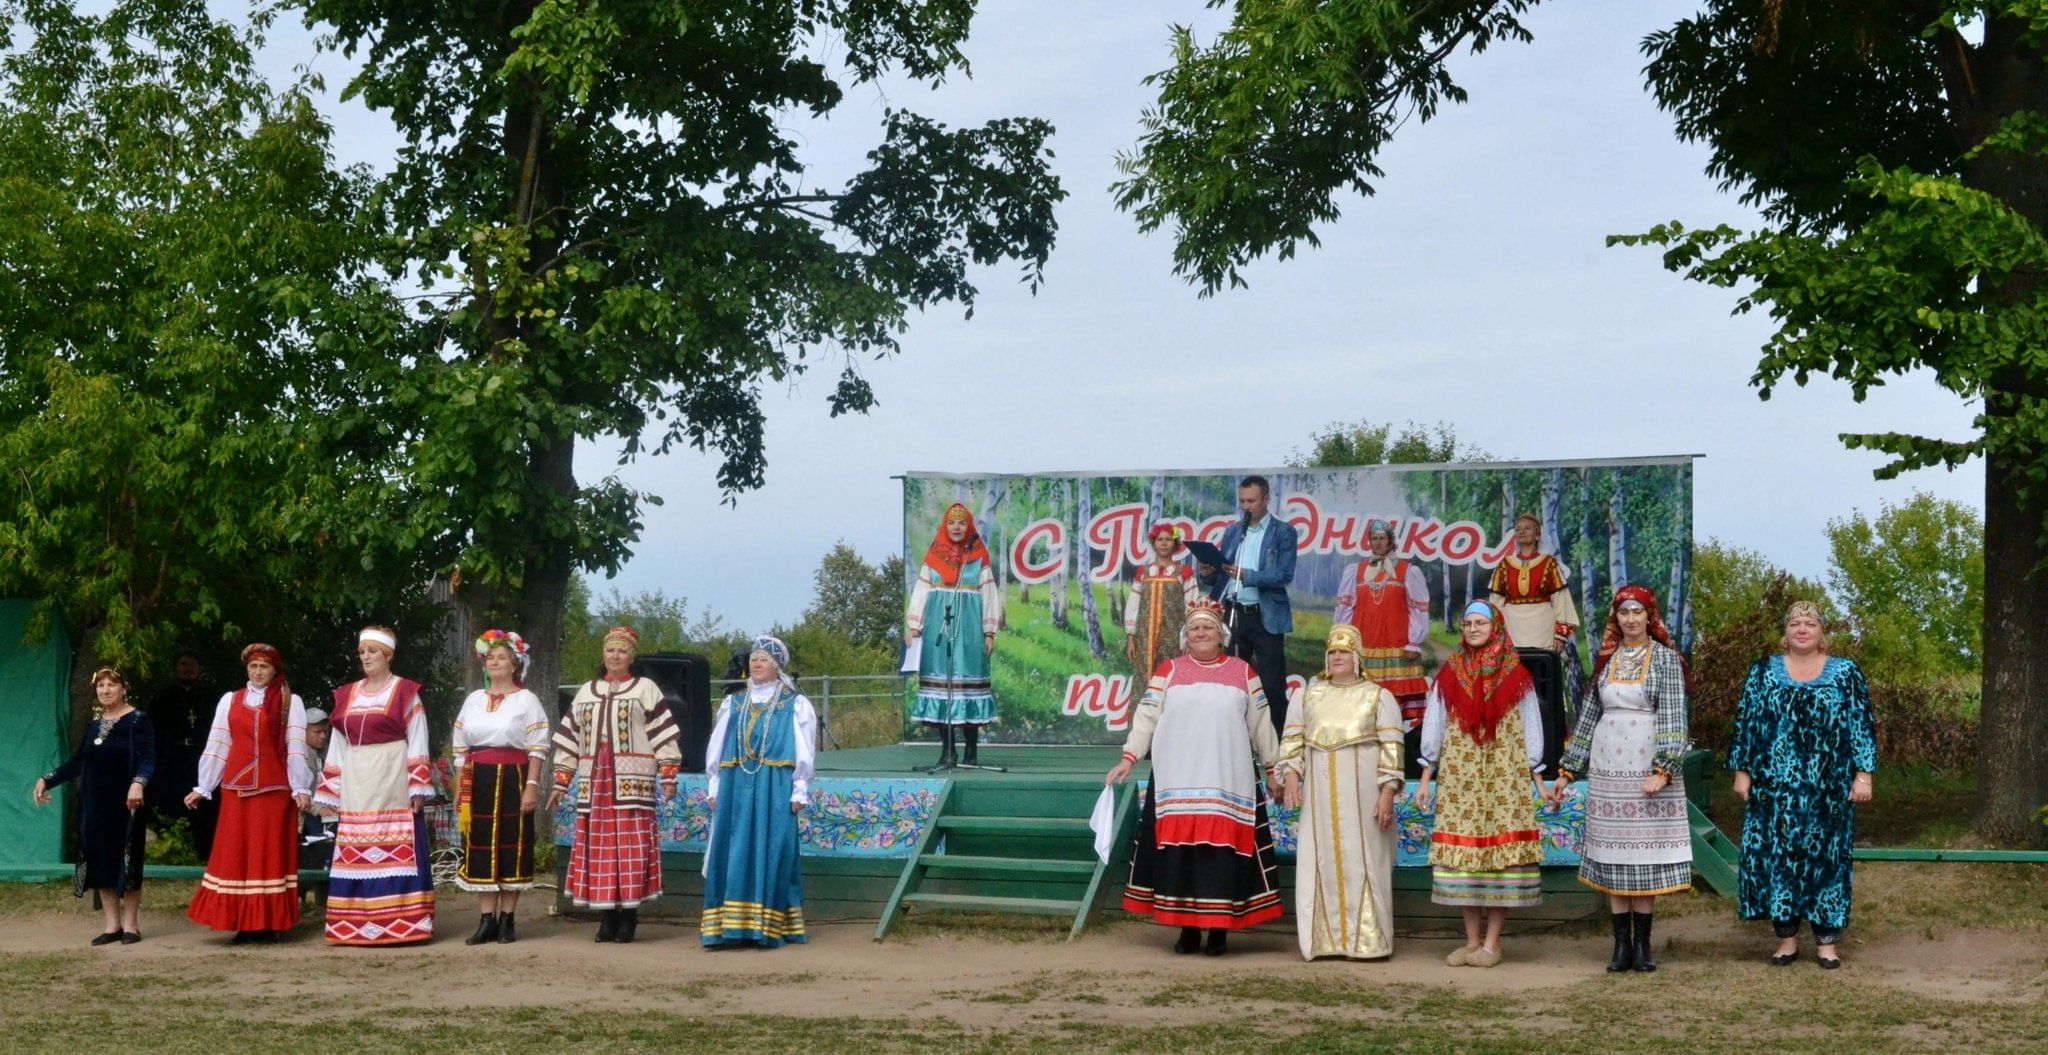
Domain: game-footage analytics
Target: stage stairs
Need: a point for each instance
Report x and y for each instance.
(1715, 857)
(1013, 846)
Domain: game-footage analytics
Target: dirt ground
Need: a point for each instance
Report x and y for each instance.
(991, 977)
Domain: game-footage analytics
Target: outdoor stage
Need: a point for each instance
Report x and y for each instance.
(880, 834)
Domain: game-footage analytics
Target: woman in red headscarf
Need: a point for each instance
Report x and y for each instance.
(1483, 728)
(1631, 736)
(1158, 605)
(955, 608)
(256, 756)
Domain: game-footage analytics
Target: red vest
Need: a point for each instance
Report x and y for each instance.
(256, 745)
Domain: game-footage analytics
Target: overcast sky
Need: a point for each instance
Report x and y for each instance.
(1474, 289)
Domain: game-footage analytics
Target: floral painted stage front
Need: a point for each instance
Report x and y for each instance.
(848, 816)
(882, 817)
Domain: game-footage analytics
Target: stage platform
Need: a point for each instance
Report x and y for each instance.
(1087, 763)
(882, 836)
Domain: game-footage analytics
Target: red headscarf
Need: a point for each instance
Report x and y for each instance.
(1610, 636)
(275, 694)
(1479, 686)
(946, 558)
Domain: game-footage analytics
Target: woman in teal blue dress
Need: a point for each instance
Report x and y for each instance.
(1803, 756)
(956, 606)
(758, 765)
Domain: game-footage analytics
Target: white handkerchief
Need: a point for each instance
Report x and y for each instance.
(1102, 821)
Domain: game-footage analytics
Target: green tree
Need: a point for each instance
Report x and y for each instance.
(1730, 582)
(664, 624)
(859, 601)
(1912, 584)
(1898, 150)
(625, 241)
(1366, 442)
(184, 293)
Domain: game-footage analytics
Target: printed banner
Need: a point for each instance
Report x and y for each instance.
(1067, 549)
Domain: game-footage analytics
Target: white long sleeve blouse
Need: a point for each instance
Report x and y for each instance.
(806, 718)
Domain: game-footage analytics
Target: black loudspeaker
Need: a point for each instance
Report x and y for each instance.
(685, 682)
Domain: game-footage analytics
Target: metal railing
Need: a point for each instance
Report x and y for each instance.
(843, 696)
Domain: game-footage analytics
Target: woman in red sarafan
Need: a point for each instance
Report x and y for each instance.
(255, 757)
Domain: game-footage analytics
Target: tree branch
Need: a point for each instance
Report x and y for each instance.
(778, 202)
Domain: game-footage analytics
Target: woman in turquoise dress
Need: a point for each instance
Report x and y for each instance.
(758, 767)
(956, 606)
(1803, 756)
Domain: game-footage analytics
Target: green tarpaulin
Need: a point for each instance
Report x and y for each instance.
(32, 719)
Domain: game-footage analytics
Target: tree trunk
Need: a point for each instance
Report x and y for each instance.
(2008, 75)
(1057, 599)
(1585, 544)
(1617, 538)
(1443, 512)
(85, 658)
(1083, 572)
(544, 596)
(1675, 613)
(2012, 732)
(989, 523)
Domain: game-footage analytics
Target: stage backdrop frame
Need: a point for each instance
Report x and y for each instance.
(1066, 543)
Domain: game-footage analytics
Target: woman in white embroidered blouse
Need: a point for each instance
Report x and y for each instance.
(501, 747)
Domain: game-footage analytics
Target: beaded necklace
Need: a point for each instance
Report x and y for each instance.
(754, 745)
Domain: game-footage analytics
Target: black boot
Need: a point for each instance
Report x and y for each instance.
(946, 759)
(629, 921)
(972, 734)
(486, 930)
(1624, 950)
(505, 935)
(1644, 961)
(1218, 942)
(1190, 940)
(608, 925)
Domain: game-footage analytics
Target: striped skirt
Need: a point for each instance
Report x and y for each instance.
(379, 890)
(1517, 887)
(1203, 884)
(497, 836)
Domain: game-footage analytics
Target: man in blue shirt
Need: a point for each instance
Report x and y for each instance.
(1252, 587)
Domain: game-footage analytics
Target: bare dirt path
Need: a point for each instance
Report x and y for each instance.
(998, 977)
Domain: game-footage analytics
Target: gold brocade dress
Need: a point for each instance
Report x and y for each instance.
(1345, 741)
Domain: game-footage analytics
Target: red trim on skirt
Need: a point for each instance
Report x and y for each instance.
(1502, 839)
(1207, 829)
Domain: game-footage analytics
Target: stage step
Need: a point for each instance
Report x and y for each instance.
(1715, 857)
(1006, 865)
(1015, 825)
(1048, 851)
(982, 903)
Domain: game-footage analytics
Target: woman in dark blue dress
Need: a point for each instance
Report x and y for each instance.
(1803, 756)
(113, 766)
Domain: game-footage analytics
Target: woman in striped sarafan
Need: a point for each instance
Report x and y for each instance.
(380, 890)
(1630, 743)
(1482, 732)
(1204, 858)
